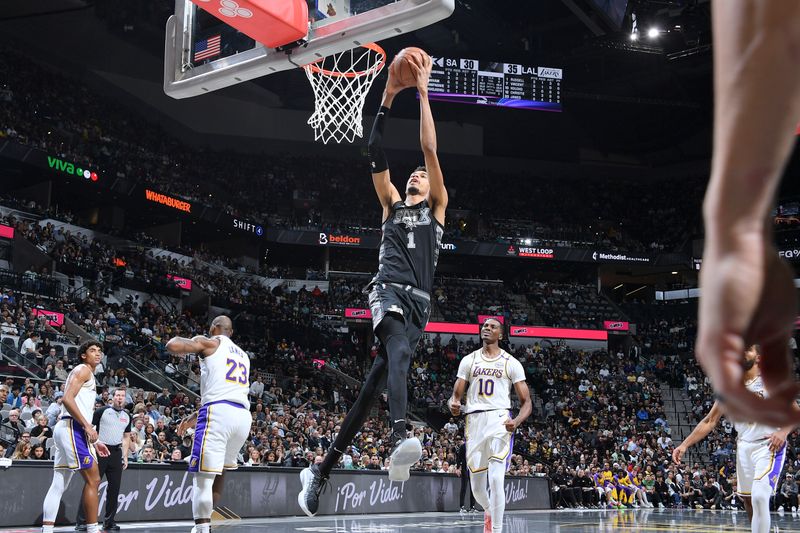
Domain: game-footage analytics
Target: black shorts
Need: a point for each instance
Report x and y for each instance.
(412, 304)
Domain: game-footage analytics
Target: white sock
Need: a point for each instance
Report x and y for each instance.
(52, 500)
(47, 529)
(478, 485)
(202, 497)
(761, 493)
(203, 528)
(92, 528)
(497, 494)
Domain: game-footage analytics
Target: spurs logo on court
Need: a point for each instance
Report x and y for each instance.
(412, 218)
(231, 9)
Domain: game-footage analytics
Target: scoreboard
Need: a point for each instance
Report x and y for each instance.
(471, 81)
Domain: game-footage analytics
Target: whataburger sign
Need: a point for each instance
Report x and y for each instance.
(167, 201)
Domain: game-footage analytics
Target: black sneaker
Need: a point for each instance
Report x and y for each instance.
(313, 483)
(80, 527)
(111, 526)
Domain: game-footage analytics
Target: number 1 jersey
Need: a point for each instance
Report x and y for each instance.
(409, 246)
(490, 380)
(225, 374)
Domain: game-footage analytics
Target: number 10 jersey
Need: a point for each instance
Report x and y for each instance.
(490, 380)
(225, 374)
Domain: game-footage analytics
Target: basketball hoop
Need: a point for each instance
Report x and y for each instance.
(341, 83)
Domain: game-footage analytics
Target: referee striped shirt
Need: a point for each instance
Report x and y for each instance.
(111, 424)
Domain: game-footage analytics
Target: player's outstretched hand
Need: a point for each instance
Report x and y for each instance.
(454, 406)
(748, 298)
(102, 449)
(422, 66)
(393, 86)
(677, 454)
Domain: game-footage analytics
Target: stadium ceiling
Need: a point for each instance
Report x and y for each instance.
(25, 8)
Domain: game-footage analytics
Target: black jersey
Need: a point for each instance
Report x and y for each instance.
(409, 246)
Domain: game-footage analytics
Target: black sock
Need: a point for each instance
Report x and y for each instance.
(355, 418)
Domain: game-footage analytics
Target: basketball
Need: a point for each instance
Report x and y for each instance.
(401, 68)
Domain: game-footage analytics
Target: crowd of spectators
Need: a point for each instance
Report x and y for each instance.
(64, 116)
(594, 411)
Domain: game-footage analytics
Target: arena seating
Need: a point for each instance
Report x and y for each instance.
(566, 211)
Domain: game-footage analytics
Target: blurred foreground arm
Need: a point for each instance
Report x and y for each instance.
(747, 291)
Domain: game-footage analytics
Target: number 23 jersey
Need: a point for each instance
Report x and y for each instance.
(490, 380)
(225, 374)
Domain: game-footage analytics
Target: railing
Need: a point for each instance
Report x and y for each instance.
(25, 362)
(39, 286)
(154, 374)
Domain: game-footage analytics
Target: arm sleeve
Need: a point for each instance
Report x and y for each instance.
(128, 427)
(377, 159)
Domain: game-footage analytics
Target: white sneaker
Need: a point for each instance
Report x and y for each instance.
(794, 509)
(404, 455)
(661, 505)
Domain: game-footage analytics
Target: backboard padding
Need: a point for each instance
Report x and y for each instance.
(330, 35)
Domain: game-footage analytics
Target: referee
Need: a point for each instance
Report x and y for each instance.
(465, 483)
(113, 425)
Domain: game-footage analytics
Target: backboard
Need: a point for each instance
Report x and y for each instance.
(203, 54)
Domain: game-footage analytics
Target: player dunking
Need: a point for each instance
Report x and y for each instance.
(223, 422)
(490, 373)
(760, 450)
(74, 440)
(399, 294)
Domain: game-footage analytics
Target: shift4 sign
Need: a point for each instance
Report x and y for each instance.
(72, 169)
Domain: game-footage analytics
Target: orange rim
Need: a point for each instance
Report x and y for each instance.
(316, 69)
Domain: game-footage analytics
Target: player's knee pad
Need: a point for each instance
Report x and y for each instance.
(203, 496)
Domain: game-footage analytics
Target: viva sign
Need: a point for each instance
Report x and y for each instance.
(70, 168)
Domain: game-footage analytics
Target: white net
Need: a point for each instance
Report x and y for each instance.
(341, 83)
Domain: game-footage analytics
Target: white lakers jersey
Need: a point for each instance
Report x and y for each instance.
(750, 431)
(85, 398)
(225, 374)
(490, 380)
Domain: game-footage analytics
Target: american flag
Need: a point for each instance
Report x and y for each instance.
(207, 48)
